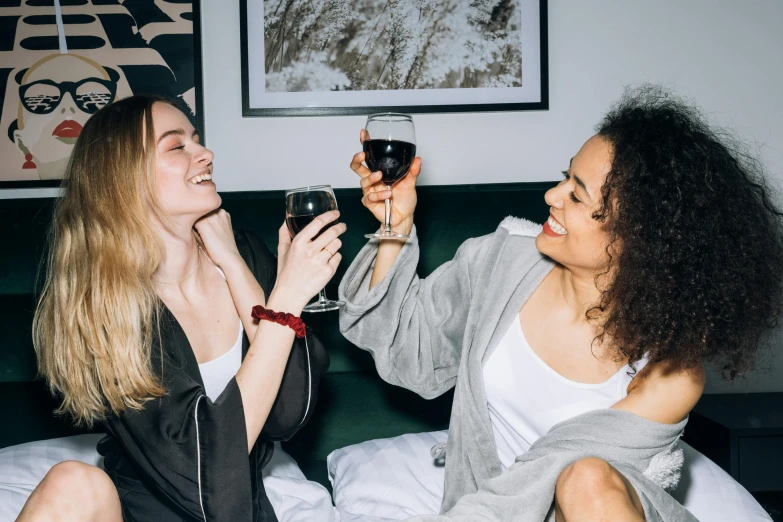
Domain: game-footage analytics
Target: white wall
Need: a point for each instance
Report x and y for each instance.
(725, 54)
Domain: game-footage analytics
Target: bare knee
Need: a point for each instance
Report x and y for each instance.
(75, 478)
(72, 488)
(72, 470)
(589, 475)
(587, 485)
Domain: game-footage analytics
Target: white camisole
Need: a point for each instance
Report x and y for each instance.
(526, 397)
(217, 372)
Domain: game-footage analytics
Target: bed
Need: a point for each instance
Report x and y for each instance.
(395, 478)
(22, 467)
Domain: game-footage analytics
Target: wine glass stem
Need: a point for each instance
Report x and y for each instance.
(387, 214)
(322, 296)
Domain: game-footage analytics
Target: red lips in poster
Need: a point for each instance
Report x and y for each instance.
(67, 129)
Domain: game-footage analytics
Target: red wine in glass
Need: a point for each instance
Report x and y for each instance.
(392, 157)
(295, 224)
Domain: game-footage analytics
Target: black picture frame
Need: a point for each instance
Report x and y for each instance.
(198, 120)
(542, 105)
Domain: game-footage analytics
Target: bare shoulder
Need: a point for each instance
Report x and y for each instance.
(663, 393)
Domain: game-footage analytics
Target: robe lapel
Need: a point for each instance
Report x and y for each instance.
(508, 286)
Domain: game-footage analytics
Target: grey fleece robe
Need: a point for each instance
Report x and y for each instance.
(429, 335)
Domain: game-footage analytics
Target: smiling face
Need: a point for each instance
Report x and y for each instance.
(183, 167)
(571, 236)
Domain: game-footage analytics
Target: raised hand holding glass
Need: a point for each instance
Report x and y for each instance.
(302, 206)
(390, 149)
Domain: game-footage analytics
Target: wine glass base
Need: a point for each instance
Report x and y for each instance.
(387, 235)
(324, 306)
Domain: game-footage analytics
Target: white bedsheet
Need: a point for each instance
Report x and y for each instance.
(22, 467)
(393, 479)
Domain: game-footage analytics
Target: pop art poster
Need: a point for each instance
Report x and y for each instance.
(62, 60)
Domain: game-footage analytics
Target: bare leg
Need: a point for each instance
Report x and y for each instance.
(591, 490)
(73, 491)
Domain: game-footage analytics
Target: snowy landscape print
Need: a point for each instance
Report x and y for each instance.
(375, 45)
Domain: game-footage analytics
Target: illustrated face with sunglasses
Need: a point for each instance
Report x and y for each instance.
(57, 96)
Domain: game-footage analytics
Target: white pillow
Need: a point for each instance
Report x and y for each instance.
(22, 467)
(711, 494)
(394, 479)
(389, 479)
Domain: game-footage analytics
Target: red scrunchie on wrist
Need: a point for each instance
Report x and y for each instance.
(293, 322)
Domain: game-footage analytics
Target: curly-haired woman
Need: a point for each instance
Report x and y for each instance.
(662, 253)
(146, 325)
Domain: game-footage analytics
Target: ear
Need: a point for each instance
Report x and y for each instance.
(19, 76)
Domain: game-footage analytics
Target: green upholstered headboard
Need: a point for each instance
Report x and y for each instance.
(355, 405)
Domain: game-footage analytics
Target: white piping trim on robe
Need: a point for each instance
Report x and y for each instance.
(309, 381)
(198, 459)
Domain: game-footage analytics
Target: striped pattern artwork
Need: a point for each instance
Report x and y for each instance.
(130, 46)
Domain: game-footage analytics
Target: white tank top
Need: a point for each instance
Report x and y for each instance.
(217, 372)
(526, 397)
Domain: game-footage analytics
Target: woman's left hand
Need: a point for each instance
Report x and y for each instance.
(218, 237)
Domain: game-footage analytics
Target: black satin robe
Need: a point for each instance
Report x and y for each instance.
(184, 457)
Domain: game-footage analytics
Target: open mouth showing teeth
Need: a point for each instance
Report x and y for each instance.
(198, 179)
(556, 227)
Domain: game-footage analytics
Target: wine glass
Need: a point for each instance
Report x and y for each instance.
(390, 147)
(302, 206)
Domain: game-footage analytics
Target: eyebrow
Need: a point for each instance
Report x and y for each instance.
(578, 180)
(176, 132)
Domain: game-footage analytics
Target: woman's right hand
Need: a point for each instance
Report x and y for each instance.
(304, 264)
(375, 192)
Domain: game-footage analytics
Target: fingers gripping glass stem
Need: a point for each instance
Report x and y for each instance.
(387, 232)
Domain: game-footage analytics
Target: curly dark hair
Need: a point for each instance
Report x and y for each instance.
(697, 275)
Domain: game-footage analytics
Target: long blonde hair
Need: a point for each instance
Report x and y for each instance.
(98, 314)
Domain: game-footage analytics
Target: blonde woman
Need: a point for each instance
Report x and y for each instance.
(150, 328)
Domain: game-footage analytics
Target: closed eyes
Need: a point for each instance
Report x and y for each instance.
(571, 195)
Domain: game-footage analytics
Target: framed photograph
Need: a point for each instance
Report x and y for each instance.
(61, 61)
(333, 57)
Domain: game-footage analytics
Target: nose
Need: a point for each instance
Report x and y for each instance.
(204, 156)
(554, 196)
(68, 105)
